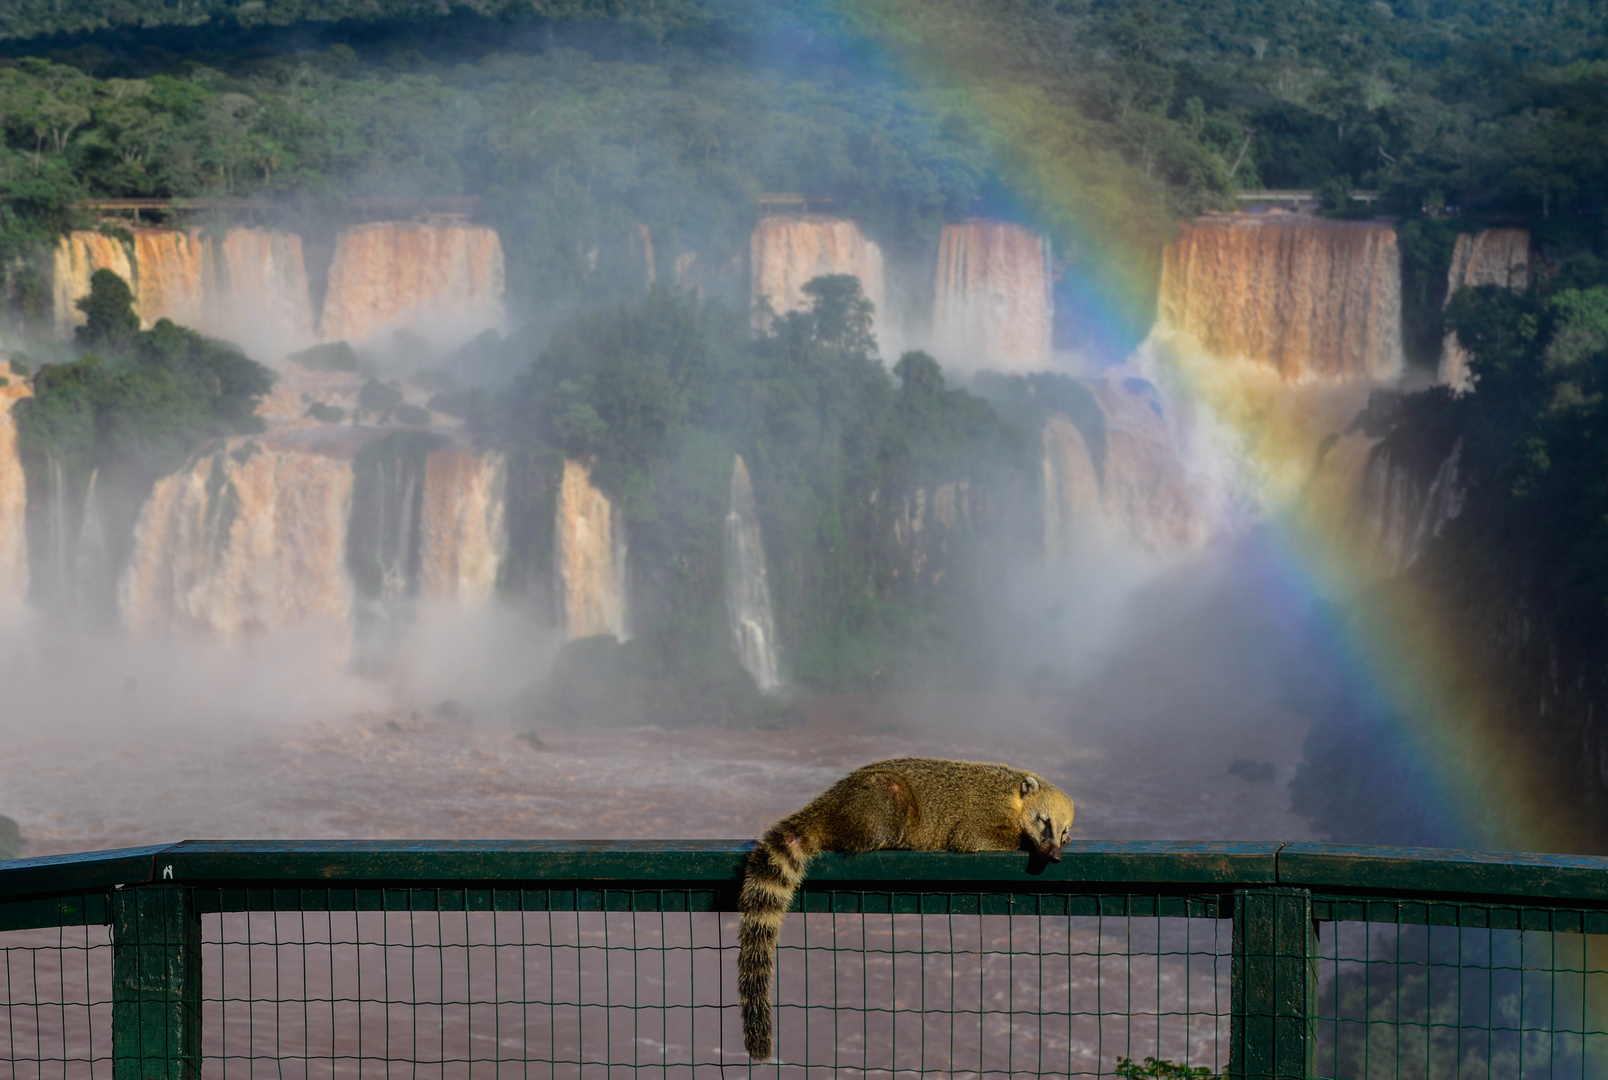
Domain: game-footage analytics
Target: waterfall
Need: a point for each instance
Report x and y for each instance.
(260, 290)
(250, 286)
(397, 273)
(1442, 503)
(250, 541)
(1309, 298)
(748, 600)
(1071, 490)
(384, 540)
(462, 533)
(170, 277)
(76, 258)
(995, 303)
(589, 558)
(1489, 257)
(242, 543)
(1146, 491)
(1400, 515)
(786, 252)
(13, 508)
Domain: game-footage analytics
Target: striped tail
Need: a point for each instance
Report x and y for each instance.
(775, 868)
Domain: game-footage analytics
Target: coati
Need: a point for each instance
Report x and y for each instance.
(914, 804)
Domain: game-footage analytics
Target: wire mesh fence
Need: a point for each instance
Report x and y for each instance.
(597, 993)
(1462, 999)
(511, 964)
(56, 990)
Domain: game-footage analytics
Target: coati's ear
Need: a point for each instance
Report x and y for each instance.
(1030, 784)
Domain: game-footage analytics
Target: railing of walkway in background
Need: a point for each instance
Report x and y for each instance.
(458, 959)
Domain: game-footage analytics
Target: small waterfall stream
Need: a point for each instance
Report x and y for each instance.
(748, 600)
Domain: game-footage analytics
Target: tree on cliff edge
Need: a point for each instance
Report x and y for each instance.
(109, 308)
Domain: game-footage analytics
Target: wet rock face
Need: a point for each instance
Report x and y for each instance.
(1312, 299)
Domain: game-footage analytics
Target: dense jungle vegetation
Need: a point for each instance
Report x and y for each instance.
(660, 392)
(575, 121)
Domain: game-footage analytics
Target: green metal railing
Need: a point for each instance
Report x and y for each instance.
(336, 959)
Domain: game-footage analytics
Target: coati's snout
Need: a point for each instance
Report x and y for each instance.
(1048, 818)
(1047, 843)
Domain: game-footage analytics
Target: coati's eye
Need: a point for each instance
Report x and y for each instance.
(1066, 834)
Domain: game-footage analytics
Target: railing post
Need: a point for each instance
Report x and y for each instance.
(1274, 985)
(156, 984)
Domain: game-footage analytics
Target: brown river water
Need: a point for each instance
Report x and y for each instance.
(1144, 748)
(590, 995)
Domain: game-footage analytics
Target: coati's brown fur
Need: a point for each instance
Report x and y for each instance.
(915, 804)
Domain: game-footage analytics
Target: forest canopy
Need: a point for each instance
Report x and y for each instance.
(574, 128)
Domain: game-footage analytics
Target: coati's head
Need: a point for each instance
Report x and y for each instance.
(1046, 816)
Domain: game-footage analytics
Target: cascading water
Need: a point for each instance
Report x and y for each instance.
(1146, 491)
(589, 552)
(748, 600)
(13, 509)
(1312, 299)
(786, 252)
(170, 277)
(251, 541)
(384, 537)
(71, 558)
(397, 273)
(250, 285)
(1401, 513)
(1498, 257)
(463, 535)
(995, 302)
(1071, 490)
(243, 543)
(262, 290)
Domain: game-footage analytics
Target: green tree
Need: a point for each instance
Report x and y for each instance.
(842, 314)
(109, 313)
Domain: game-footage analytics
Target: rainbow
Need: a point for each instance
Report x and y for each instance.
(1404, 652)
